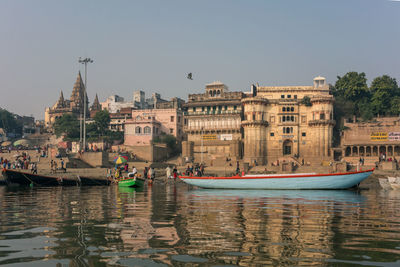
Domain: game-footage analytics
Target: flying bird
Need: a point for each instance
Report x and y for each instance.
(189, 76)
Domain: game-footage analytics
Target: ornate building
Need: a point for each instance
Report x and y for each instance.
(75, 105)
(288, 122)
(213, 125)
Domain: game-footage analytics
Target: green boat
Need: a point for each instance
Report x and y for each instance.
(131, 182)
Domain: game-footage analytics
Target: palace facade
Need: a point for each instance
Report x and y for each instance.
(213, 125)
(288, 122)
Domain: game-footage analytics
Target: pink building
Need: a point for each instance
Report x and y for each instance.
(146, 124)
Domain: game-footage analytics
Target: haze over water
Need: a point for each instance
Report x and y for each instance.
(172, 224)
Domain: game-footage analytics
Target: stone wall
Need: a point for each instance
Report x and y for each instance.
(95, 159)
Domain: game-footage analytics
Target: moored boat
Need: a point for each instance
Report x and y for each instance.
(131, 182)
(29, 179)
(282, 181)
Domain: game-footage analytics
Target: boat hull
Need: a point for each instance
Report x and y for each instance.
(316, 181)
(131, 182)
(28, 179)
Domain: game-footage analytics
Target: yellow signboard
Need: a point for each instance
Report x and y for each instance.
(209, 137)
(379, 136)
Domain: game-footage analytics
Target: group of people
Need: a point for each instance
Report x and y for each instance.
(22, 161)
(197, 170)
(54, 166)
(148, 172)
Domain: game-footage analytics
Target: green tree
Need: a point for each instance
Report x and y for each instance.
(353, 86)
(67, 124)
(8, 122)
(383, 89)
(102, 121)
(395, 105)
(306, 101)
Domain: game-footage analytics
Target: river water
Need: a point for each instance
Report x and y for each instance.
(175, 225)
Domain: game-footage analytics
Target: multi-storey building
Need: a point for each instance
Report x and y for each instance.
(288, 121)
(213, 124)
(146, 124)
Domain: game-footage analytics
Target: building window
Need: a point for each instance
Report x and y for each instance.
(283, 109)
(234, 107)
(172, 118)
(194, 109)
(138, 130)
(185, 121)
(295, 96)
(202, 108)
(179, 119)
(226, 107)
(292, 118)
(303, 134)
(292, 109)
(254, 117)
(171, 131)
(282, 96)
(272, 119)
(271, 134)
(147, 130)
(289, 96)
(322, 116)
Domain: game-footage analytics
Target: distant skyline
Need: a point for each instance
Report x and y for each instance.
(152, 45)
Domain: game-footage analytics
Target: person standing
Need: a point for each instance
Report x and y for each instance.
(168, 171)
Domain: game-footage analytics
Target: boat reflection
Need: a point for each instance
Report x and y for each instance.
(312, 195)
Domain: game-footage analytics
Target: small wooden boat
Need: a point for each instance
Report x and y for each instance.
(282, 181)
(29, 179)
(131, 182)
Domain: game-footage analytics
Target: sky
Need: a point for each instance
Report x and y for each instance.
(151, 45)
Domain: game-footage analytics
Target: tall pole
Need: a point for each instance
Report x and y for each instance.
(85, 62)
(201, 136)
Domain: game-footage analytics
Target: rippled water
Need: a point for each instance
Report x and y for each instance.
(171, 224)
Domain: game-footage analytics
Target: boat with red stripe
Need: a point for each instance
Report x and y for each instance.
(281, 181)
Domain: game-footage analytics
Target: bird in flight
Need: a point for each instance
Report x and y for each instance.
(189, 76)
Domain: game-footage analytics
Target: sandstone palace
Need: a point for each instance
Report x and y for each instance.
(264, 126)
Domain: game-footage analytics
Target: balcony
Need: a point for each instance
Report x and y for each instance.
(212, 112)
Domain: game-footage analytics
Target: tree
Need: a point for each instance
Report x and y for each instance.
(102, 121)
(8, 122)
(383, 90)
(306, 101)
(395, 105)
(353, 86)
(67, 124)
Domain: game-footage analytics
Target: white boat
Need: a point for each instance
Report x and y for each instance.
(281, 181)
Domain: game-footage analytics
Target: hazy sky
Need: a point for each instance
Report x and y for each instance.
(152, 45)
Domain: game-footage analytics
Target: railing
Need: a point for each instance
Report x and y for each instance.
(211, 112)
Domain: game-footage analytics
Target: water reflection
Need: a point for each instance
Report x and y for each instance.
(169, 224)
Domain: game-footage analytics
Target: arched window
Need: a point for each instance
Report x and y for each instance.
(218, 92)
(214, 92)
(292, 118)
(288, 118)
(138, 130)
(322, 116)
(210, 93)
(283, 109)
(292, 109)
(147, 130)
(283, 118)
